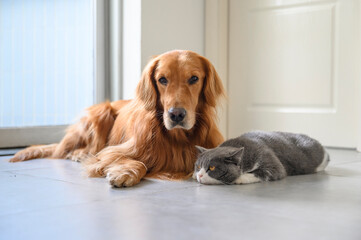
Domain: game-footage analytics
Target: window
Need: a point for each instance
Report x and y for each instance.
(47, 67)
(46, 61)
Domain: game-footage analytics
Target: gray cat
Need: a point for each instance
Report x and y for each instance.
(260, 156)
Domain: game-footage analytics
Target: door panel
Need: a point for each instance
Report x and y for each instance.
(292, 68)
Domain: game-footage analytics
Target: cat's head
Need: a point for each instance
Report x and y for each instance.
(219, 165)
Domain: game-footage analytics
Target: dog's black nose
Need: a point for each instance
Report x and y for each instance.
(177, 114)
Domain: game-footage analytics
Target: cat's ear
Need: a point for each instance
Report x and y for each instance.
(201, 149)
(237, 152)
(235, 156)
(239, 155)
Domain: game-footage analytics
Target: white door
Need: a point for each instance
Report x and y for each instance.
(292, 67)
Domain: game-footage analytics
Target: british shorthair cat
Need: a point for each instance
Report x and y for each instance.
(260, 156)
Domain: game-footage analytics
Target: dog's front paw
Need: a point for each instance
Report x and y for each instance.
(126, 174)
(122, 179)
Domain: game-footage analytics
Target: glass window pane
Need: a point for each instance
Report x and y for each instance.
(46, 61)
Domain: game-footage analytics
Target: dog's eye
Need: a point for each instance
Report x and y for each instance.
(163, 81)
(193, 80)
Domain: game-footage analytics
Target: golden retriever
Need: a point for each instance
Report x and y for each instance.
(153, 135)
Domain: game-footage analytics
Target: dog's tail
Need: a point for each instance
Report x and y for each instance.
(37, 151)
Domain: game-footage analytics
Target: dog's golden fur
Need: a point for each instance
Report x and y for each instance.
(129, 139)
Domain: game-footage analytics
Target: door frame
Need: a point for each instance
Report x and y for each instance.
(216, 49)
(358, 67)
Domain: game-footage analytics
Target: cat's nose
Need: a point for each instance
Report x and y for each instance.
(200, 175)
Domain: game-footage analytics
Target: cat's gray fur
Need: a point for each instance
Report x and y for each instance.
(260, 156)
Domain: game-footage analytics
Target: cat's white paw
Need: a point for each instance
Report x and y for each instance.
(324, 163)
(247, 178)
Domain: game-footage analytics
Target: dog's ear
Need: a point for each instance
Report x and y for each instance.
(212, 87)
(146, 89)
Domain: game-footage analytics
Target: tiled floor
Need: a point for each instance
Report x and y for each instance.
(50, 199)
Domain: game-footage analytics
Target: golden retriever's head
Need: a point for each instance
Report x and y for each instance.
(176, 82)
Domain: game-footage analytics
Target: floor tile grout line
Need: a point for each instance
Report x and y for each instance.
(343, 163)
(42, 177)
(339, 176)
(55, 179)
(98, 201)
(24, 169)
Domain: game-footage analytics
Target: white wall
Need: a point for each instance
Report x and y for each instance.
(172, 24)
(154, 27)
